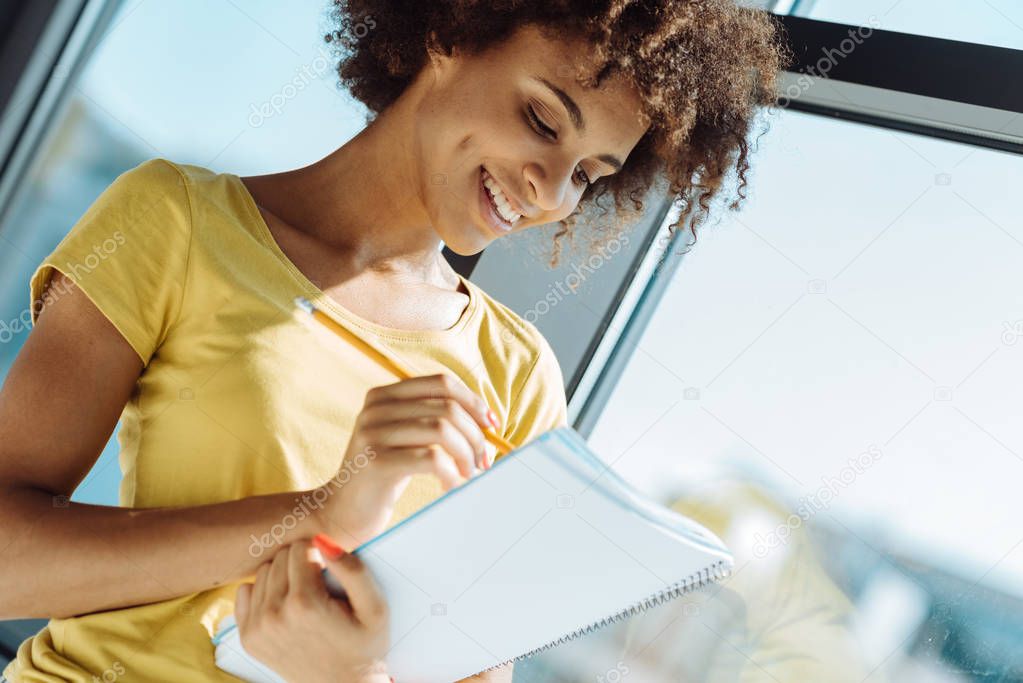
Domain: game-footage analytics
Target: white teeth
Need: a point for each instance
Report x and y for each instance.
(503, 207)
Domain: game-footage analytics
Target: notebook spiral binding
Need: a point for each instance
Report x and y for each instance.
(717, 571)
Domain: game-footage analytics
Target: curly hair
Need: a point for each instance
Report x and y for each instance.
(703, 69)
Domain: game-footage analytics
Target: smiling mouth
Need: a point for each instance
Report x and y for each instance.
(498, 201)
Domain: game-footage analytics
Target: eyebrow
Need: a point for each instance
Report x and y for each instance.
(576, 115)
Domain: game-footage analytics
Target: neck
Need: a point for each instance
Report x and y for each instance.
(364, 200)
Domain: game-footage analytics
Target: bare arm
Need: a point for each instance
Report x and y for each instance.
(58, 407)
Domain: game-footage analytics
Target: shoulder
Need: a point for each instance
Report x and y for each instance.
(154, 188)
(170, 177)
(162, 172)
(129, 253)
(152, 194)
(520, 354)
(182, 194)
(515, 332)
(154, 174)
(518, 350)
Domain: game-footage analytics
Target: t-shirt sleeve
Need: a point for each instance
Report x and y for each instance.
(540, 403)
(129, 254)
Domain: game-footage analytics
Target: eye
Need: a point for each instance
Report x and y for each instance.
(546, 131)
(543, 129)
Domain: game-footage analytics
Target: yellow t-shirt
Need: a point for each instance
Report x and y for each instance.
(241, 393)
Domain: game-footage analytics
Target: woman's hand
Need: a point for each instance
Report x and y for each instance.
(432, 424)
(288, 621)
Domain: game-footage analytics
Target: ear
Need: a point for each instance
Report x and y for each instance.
(434, 54)
(438, 61)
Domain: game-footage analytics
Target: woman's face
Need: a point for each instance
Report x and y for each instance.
(514, 119)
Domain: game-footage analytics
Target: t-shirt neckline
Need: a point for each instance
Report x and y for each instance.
(322, 300)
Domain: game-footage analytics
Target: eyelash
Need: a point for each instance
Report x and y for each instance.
(546, 131)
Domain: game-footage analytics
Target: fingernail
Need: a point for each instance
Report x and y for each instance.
(492, 416)
(327, 546)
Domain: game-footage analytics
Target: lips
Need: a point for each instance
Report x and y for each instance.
(497, 189)
(488, 209)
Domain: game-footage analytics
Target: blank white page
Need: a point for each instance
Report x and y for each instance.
(534, 549)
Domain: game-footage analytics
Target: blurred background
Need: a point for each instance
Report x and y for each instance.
(828, 378)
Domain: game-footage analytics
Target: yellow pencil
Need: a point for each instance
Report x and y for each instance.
(390, 364)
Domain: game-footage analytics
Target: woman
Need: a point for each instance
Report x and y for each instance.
(169, 305)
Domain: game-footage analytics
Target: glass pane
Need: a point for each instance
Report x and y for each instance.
(142, 96)
(830, 383)
(989, 22)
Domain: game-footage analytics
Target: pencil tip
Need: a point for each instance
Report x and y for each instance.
(304, 304)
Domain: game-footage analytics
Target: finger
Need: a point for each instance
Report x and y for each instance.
(277, 578)
(304, 571)
(242, 602)
(390, 412)
(490, 455)
(259, 587)
(364, 596)
(328, 548)
(410, 460)
(425, 431)
(441, 385)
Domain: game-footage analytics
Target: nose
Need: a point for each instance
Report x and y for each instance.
(549, 182)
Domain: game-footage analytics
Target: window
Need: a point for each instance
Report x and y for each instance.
(846, 350)
(988, 22)
(830, 377)
(273, 81)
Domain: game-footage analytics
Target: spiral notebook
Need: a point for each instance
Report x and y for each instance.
(546, 546)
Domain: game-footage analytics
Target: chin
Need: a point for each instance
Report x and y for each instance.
(463, 235)
(464, 247)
